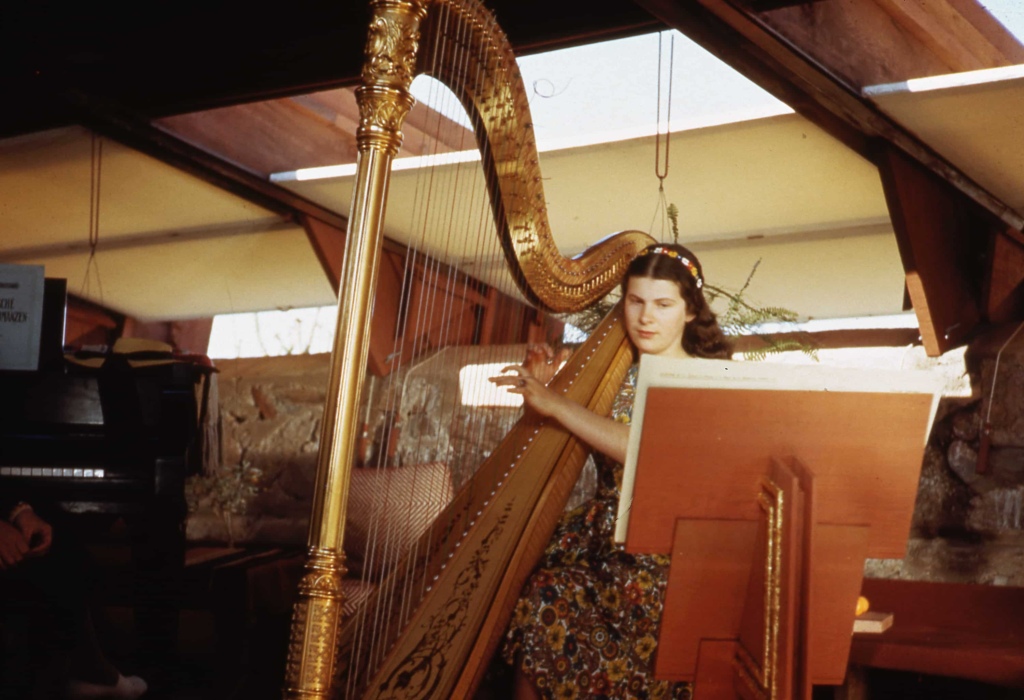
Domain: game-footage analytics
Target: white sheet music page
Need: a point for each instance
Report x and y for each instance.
(21, 316)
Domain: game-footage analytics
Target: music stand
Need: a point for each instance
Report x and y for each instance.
(769, 485)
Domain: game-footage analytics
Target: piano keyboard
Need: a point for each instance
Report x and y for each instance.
(55, 472)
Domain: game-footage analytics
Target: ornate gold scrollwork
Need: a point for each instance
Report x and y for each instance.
(311, 666)
(762, 675)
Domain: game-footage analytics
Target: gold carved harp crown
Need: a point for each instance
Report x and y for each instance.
(438, 617)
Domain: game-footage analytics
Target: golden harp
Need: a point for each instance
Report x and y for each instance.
(457, 589)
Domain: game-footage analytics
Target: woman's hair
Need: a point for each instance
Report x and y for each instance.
(702, 336)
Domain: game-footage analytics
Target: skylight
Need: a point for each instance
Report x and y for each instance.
(607, 92)
(1010, 14)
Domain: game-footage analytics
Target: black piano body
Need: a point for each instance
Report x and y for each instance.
(116, 439)
(105, 447)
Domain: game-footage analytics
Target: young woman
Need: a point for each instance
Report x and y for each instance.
(587, 623)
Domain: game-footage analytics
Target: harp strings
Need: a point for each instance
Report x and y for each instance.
(453, 223)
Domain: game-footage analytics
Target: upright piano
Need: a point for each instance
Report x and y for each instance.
(112, 434)
(115, 439)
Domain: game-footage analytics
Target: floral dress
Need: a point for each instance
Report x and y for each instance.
(586, 625)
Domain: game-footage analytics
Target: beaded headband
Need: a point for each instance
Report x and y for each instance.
(686, 262)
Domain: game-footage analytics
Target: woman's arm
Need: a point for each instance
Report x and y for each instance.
(605, 435)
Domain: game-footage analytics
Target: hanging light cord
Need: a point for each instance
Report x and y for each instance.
(995, 375)
(660, 155)
(95, 174)
(985, 444)
(660, 170)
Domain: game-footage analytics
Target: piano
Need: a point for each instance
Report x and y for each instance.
(108, 437)
(117, 439)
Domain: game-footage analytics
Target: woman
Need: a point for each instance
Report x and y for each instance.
(587, 623)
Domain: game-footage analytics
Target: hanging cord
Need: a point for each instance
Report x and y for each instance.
(96, 171)
(660, 155)
(986, 427)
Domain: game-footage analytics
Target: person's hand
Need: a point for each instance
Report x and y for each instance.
(536, 395)
(13, 546)
(542, 361)
(36, 531)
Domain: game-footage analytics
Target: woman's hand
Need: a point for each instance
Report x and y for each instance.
(530, 379)
(603, 434)
(542, 361)
(536, 395)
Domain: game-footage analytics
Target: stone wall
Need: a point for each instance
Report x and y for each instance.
(258, 484)
(968, 524)
(259, 481)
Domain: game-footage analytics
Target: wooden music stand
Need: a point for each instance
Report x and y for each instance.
(769, 485)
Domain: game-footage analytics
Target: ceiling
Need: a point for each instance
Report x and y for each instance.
(190, 226)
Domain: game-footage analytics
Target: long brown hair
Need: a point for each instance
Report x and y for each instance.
(702, 337)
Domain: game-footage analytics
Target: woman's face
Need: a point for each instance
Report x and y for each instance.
(655, 316)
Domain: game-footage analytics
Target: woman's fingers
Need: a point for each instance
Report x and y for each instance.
(515, 382)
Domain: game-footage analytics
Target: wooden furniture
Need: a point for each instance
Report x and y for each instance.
(769, 489)
(947, 629)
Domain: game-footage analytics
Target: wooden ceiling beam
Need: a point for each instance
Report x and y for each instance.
(745, 42)
(940, 27)
(886, 41)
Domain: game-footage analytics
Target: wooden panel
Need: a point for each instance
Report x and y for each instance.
(1004, 300)
(708, 579)
(938, 241)
(267, 137)
(718, 455)
(715, 674)
(946, 629)
(836, 563)
(329, 245)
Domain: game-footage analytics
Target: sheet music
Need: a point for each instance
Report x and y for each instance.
(732, 375)
(21, 316)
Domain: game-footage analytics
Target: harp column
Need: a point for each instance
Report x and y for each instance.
(384, 101)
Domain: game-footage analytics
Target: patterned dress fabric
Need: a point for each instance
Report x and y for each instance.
(586, 625)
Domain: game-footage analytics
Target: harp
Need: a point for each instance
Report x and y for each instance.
(455, 590)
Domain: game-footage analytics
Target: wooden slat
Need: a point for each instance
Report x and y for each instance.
(708, 578)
